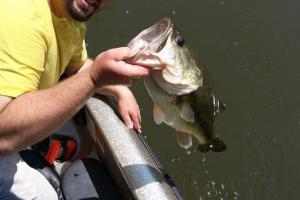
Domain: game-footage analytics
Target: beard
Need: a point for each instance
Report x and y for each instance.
(78, 13)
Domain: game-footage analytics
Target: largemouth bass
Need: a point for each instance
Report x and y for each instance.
(181, 93)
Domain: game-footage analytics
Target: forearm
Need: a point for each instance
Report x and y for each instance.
(35, 115)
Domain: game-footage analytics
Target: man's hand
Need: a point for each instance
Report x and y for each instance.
(127, 105)
(109, 68)
(129, 109)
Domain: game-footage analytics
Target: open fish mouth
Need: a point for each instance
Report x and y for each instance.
(161, 48)
(151, 37)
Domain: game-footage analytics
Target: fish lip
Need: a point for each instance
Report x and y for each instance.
(164, 26)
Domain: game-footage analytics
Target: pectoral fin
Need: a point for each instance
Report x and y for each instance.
(159, 115)
(184, 139)
(186, 112)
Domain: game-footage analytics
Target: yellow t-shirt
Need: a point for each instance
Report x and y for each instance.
(36, 46)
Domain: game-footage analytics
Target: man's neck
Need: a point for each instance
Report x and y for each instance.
(58, 8)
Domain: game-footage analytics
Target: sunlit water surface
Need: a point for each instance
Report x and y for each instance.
(252, 50)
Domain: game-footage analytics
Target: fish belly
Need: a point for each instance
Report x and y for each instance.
(172, 112)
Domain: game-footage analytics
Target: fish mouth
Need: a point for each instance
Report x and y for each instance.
(148, 51)
(152, 37)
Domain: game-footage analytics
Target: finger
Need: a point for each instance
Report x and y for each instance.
(136, 123)
(131, 71)
(139, 130)
(120, 53)
(140, 121)
(138, 115)
(140, 118)
(127, 120)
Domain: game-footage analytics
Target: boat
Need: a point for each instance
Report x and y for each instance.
(127, 166)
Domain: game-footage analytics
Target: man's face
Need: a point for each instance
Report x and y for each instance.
(82, 10)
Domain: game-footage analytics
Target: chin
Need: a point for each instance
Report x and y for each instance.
(80, 10)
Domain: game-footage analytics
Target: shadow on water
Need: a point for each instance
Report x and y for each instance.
(251, 50)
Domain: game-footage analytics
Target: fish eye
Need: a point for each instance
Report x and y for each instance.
(179, 41)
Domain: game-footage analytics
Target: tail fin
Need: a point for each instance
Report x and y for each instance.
(203, 148)
(217, 145)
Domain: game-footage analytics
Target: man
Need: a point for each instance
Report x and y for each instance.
(39, 41)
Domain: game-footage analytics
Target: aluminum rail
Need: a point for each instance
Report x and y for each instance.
(128, 157)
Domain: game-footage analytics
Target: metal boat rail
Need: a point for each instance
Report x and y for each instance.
(127, 155)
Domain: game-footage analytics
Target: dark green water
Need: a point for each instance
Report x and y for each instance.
(252, 52)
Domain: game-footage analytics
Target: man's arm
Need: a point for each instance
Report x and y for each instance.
(33, 116)
(127, 105)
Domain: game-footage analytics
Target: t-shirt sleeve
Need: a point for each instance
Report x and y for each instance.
(22, 53)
